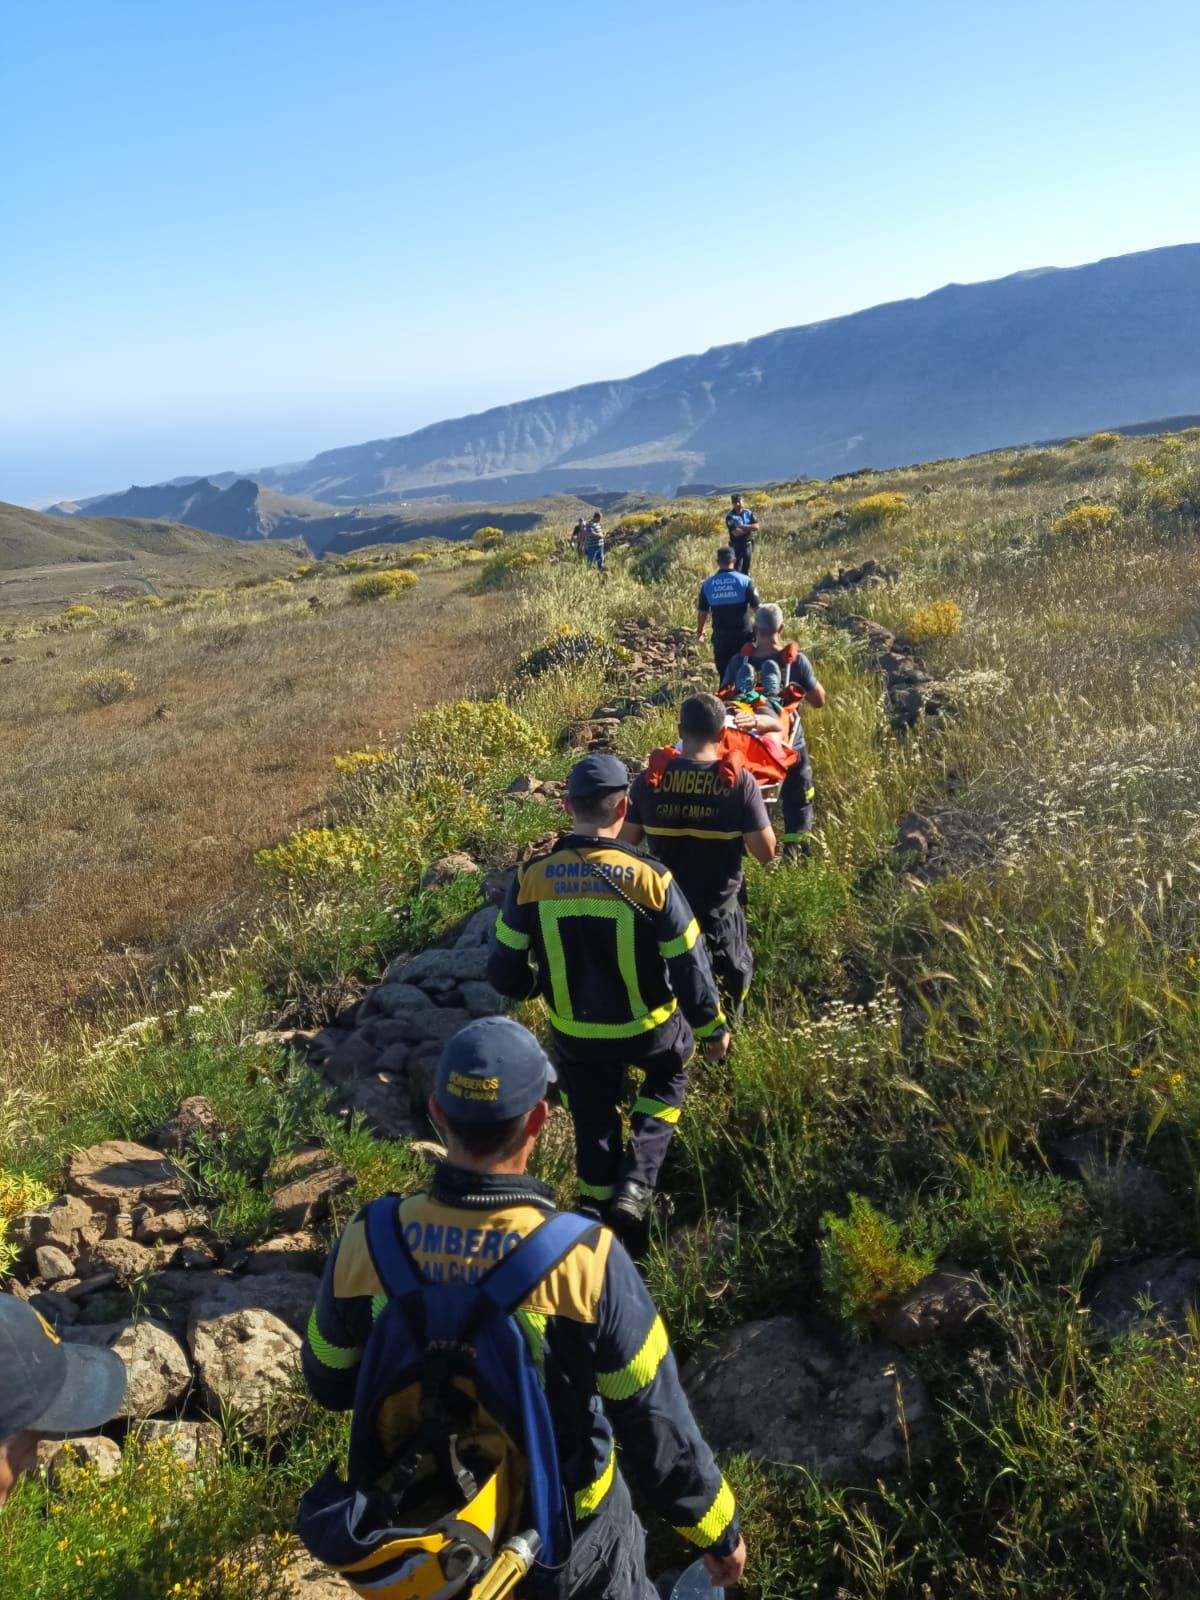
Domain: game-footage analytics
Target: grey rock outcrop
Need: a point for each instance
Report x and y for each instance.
(781, 1392)
(244, 1360)
(155, 1362)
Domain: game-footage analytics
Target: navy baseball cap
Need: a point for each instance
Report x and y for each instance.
(491, 1070)
(49, 1386)
(596, 775)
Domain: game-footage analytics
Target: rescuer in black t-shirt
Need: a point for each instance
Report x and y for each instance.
(700, 814)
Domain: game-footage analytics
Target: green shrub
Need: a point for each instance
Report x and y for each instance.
(567, 649)
(863, 1267)
(1036, 468)
(80, 613)
(381, 585)
(319, 855)
(107, 685)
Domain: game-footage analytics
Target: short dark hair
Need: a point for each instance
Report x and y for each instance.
(726, 556)
(702, 716)
(488, 1141)
(599, 807)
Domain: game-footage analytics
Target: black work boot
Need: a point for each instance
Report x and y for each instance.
(629, 1215)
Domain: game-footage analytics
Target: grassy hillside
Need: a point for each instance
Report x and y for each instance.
(945, 1035)
(46, 562)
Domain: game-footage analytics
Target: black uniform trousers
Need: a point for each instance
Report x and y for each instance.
(796, 800)
(743, 550)
(725, 647)
(724, 930)
(607, 1560)
(592, 1075)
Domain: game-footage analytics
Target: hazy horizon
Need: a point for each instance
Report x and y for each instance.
(350, 226)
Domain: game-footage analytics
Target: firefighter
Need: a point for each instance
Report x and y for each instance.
(604, 1351)
(700, 812)
(606, 936)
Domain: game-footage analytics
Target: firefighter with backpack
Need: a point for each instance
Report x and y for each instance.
(606, 936)
(492, 1350)
(700, 809)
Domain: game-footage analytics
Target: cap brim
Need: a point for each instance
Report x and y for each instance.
(91, 1393)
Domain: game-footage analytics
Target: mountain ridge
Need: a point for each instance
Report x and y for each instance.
(1040, 353)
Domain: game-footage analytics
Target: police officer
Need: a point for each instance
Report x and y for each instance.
(700, 817)
(606, 936)
(48, 1387)
(725, 597)
(741, 525)
(604, 1351)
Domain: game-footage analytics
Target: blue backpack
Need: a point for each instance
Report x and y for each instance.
(470, 1491)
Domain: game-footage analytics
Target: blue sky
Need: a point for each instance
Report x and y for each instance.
(235, 232)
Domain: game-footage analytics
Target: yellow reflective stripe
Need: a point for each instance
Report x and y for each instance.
(596, 1191)
(337, 1356)
(556, 963)
(612, 1030)
(714, 1521)
(510, 937)
(642, 1370)
(588, 1500)
(694, 833)
(680, 946)
(808, 793)
(709, 1028)
(655, 1108)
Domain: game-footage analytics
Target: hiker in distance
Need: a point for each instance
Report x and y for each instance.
(700, 812)
(593, 544)
(726, 597)
(47, 1387)
(585, 1329)
(606, 936)
(741, 525)
(783, 669)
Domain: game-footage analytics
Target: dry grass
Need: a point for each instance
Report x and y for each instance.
(128, 829)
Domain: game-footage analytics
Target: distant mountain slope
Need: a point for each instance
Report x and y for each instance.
(34, 539)
(967, 368)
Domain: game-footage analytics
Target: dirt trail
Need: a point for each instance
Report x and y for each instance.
(130, 830)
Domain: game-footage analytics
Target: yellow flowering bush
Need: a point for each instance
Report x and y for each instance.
(107, 685)
(381, 585)
(355, 761)
(18, 1192)
(878, 509)
(147, 1532)
(1082, 522)
(476, 741)
(636, 520)
(1103, 441)
(1030, 469)
(940, 619)
(323, 855)
(80, 613)
(147, 602)
(488, 537)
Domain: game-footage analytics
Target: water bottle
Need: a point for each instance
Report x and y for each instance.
(695, 1584)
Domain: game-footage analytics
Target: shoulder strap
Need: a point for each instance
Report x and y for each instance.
(520, 1272)
(391, 1257)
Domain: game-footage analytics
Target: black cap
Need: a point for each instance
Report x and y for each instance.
(491, 1070)
(49, 1386)
(596, 775)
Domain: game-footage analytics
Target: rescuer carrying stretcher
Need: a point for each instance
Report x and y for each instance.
(607, 937)
(781, 668)
(700, 808)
